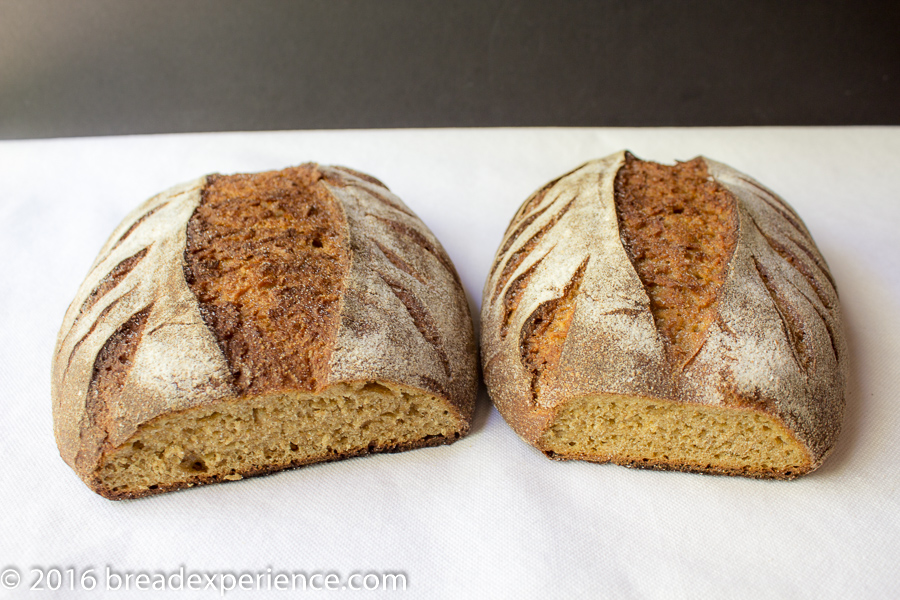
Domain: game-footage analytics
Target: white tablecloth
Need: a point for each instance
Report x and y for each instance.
(487, 516)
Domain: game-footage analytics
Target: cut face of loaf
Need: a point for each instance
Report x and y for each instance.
(258, 434)
(673, 317)
(238, 325)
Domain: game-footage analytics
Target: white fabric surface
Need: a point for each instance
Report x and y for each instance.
(488, 516)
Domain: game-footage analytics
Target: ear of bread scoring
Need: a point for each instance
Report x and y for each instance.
(243, 324)
(600, 346)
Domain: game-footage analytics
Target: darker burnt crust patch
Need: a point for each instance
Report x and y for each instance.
(679, 229)
(267, 258)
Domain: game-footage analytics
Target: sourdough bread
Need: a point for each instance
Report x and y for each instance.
(237, 325)
(672, 317)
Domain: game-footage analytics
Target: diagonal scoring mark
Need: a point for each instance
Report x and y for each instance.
(398, 262)
(545, 332)
(135, 225)
(421, 318)
(511, 239)
(419, 239)
(514, 293)
(823, 317)
(111, 368)
(96, 322)
(519, 256)
(793, 330)
(776, 204)
(798, 265)
(116, 275)
(389, 203)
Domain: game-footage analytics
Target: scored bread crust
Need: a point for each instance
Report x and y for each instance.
(403, 320)
(775, 346)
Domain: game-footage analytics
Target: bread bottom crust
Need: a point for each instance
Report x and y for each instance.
(430, 441)
(657, 465)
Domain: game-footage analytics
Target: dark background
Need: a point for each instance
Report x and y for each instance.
(101, 67)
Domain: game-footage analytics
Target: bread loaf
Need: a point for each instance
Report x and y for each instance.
(237, 325)
(669, 317)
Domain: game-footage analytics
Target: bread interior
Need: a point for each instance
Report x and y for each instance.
(638, 431)
(266, 433)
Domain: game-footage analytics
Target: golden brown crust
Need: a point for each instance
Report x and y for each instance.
(378, 301)
(267, 257)
(544, 334)
(679, 228)
(770, 335)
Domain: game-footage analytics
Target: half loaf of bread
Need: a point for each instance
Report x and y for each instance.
(237, 325)
(669, 317)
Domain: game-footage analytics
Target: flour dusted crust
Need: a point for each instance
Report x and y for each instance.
(401, 327)
(773, 356)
